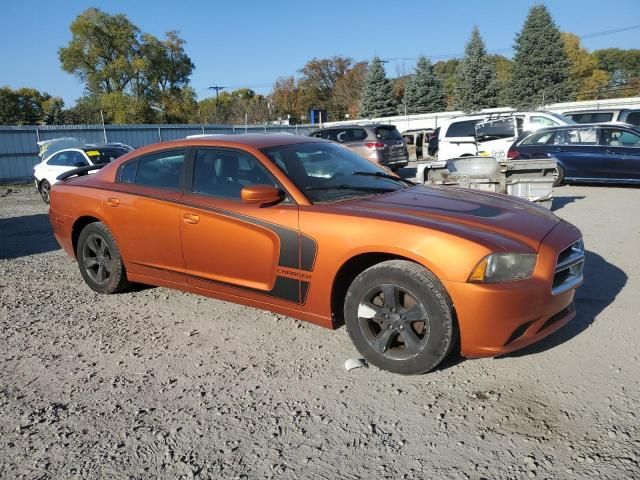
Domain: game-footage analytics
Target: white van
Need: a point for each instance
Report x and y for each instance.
(457, 137)
(605, 115)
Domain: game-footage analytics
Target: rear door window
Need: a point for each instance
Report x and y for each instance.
(159, 170)
(591, 117)
(358, 134)
(466, 128)
(581, 136)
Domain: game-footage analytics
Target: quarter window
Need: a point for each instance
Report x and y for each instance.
(223, 173)
(466, 128)
(633, 118)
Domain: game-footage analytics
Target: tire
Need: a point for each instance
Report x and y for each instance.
(559, 180)
(45, 191)
(410, 334)
(99, 260)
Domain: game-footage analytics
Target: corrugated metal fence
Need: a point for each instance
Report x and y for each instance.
(19, 149)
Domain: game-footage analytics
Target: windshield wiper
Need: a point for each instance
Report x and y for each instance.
(384, 175)
(349, 187)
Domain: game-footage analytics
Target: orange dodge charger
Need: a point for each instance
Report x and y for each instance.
(307, 228)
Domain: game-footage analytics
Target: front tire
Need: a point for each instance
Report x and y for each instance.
(45, 191)
(400, 318)
(99, 259)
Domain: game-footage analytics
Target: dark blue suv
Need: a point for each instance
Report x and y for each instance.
(598, 152)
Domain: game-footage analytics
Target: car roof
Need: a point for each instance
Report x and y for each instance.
(254, 140)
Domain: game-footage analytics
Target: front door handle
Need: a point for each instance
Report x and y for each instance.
(113, 202)
(191, 218)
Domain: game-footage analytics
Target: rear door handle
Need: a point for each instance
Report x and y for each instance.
(191, 218)
(113, 202)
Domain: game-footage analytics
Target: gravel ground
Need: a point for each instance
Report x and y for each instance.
(158, 383)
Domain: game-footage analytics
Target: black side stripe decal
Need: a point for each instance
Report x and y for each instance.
(284, 288)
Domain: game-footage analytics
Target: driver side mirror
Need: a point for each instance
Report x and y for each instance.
(80, 164)
(261, 194)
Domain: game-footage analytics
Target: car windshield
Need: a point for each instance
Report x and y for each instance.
(327, 172)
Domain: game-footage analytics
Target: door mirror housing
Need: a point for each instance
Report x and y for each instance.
(261, 194)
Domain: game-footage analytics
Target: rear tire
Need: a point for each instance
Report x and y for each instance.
(99, 259)
(559, 180)
(45, 191)
(400, 318)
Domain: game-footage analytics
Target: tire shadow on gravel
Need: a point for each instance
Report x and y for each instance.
(27, 235)
(602, 283)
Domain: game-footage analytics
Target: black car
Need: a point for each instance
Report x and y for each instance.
(598, 152)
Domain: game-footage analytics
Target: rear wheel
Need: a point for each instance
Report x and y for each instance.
(99, 259)
(45, 191)
(558, 176)
(399, 317)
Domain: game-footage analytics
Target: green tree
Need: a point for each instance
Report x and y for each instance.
(586, 80)
(541, 68)
(52, 111)
(446, 71)
(476, 86)
(103, 52)
(377, 95)
(623, 67)
(8, 106)
(424, 92)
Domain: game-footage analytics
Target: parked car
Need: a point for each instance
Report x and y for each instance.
(624, 115)
(380, 143)
(46, 172)
(457, 136)
(417, 142)
(245, 219)
(600, 152)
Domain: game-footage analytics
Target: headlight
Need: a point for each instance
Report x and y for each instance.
(503, 267)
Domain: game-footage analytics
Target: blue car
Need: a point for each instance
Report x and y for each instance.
(594, 153)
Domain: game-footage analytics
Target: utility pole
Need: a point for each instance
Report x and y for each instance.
(217, 89)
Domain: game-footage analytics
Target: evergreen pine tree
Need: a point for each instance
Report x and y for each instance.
(377, 95)
(476, 86)
(540, 65)
(424, 91)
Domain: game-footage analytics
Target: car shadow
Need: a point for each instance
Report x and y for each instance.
(27, 235)
(602, 283)
(560, 202)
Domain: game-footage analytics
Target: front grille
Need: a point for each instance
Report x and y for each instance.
(569, 268)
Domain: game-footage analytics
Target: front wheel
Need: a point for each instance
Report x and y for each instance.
(99, 259)
(399, 317)
(45, 191)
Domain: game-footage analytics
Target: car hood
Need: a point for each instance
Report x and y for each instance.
(499, 218)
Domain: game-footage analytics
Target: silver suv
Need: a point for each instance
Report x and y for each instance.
(380, 143)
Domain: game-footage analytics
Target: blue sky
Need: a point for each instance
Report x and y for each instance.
(251, 43)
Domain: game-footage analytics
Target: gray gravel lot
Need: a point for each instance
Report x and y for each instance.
(159, 383)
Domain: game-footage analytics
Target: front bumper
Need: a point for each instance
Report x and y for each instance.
(496, 319)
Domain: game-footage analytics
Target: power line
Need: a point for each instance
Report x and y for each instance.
(443, 56)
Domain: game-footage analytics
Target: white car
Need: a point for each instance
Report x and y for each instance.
(46, 172)
(457, 135)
